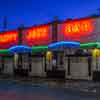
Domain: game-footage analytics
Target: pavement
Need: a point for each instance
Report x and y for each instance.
(52, 90)
(80, 85)
(17, 88)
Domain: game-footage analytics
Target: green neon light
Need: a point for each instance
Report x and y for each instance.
(98, 45)
(36, 49)
(88, 45)
(4, 51)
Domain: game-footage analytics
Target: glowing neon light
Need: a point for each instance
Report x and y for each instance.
(20, 49)
(39, 49)
(98, 45)
(78, 28)
(88, 45)
(37, 33)
(65, 44)
(8, 37)
(4, 51)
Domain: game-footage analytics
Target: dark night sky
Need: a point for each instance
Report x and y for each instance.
(30, 12)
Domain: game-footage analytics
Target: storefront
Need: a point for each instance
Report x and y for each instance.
(61, 50)
(79, 61)
(38, 61)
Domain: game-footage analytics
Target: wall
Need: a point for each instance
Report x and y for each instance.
(8, 66)
(91, 35)
(38, 69)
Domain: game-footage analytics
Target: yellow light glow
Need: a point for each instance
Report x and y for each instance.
(96, 53)
(49, 56)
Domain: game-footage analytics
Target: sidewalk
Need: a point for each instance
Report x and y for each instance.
(84, 86)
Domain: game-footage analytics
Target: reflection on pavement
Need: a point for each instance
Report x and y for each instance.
(16, 91)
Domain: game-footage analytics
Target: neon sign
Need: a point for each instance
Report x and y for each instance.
(79, 28)
(67, 44)
(37, 35)
(20, 49)
(8, 39)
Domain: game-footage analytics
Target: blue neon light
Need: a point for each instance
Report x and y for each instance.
(65, 44)
(20, 49)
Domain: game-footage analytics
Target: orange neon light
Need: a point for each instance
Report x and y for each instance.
(37, 33)
(81, 27)
(8, 37)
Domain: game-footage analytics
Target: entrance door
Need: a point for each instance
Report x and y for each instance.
(60, 61)
(37, 66)
(79, 67)
(56, 67)
(21, 67)
(25, 61)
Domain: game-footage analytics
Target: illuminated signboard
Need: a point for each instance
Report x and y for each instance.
(76, 29)
(8, 39)
(37, 35)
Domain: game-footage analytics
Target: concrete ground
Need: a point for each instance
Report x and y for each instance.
(52, 90)
(80, 85)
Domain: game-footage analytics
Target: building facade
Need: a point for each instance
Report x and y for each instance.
(60, 49)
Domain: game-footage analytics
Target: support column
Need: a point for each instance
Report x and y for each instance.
(54, 30)
(55, 36)
(2, 63)
(20, 31)
(68, 65)
(30, 62)
(18, 70)
(89, 65)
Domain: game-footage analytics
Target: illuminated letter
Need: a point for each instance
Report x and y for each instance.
(68, 28)
(75, 28)
(85, 27)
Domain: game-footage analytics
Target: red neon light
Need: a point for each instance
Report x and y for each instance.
(78, 28)
(8, 39)
(37, 35)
